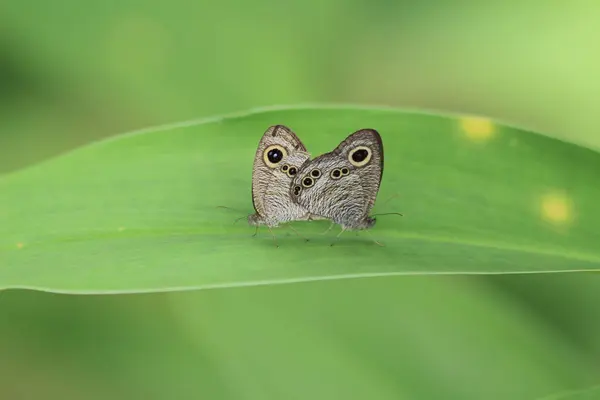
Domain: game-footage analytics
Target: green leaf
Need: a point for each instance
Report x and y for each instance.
(592, 393)
(139, 212)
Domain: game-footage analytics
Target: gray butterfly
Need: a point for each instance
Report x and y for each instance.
(342, 185)
(279, 157)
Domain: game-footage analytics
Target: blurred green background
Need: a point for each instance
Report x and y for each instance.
(73, 71)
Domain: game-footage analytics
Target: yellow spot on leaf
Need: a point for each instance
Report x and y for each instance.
(19, 245)
(477, 128)
(557, 208)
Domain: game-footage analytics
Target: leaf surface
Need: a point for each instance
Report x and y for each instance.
(140, 212)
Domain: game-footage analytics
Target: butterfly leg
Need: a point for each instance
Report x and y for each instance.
(272, 234)
(297, 233)
(338, 236)
(376, 242)
(256, 231)
(328, 229)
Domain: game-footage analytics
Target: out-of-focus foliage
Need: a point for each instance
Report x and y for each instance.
(82, 70)
(400, 337)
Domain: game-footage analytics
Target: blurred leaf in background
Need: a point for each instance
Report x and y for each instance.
(384, 338)
(115, 66)
(72, 72)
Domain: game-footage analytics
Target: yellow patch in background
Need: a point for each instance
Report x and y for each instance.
(477, 128)
(557, 208)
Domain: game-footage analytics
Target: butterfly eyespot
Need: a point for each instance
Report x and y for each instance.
(360, 156)
(297, 190)
(284, 167)
(315, 173)
(307, 181)
(292, 171)
(273, 155)
(345, 171)
(336, 173)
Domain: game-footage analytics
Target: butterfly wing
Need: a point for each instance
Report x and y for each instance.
(279, 156)
(364, 151)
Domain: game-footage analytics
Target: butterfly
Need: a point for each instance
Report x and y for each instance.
(342, 185)
(279, 157)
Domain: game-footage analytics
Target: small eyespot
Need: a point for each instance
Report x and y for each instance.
(315, 173)
(284, 167)
(336, 173)
(297, 190)
(273, 155)
(308, 181)
(292, 171)
(360, 156)
(345, 171)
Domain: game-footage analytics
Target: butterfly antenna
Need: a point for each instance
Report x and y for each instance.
(237, 219)
(229, 208)
(236, 210)
(387, 201)
(391, 197)
(390, 213)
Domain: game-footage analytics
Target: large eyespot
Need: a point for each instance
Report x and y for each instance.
(345, 171)
(292, 171)
(335, 173)
(307, 181)
(297, 190)
(273, 155)
(359, 156)
(315, 173)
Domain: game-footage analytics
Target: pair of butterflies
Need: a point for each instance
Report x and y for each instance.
(340, 186)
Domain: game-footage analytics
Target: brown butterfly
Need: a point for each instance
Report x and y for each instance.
(342, 185)
(279, 157)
